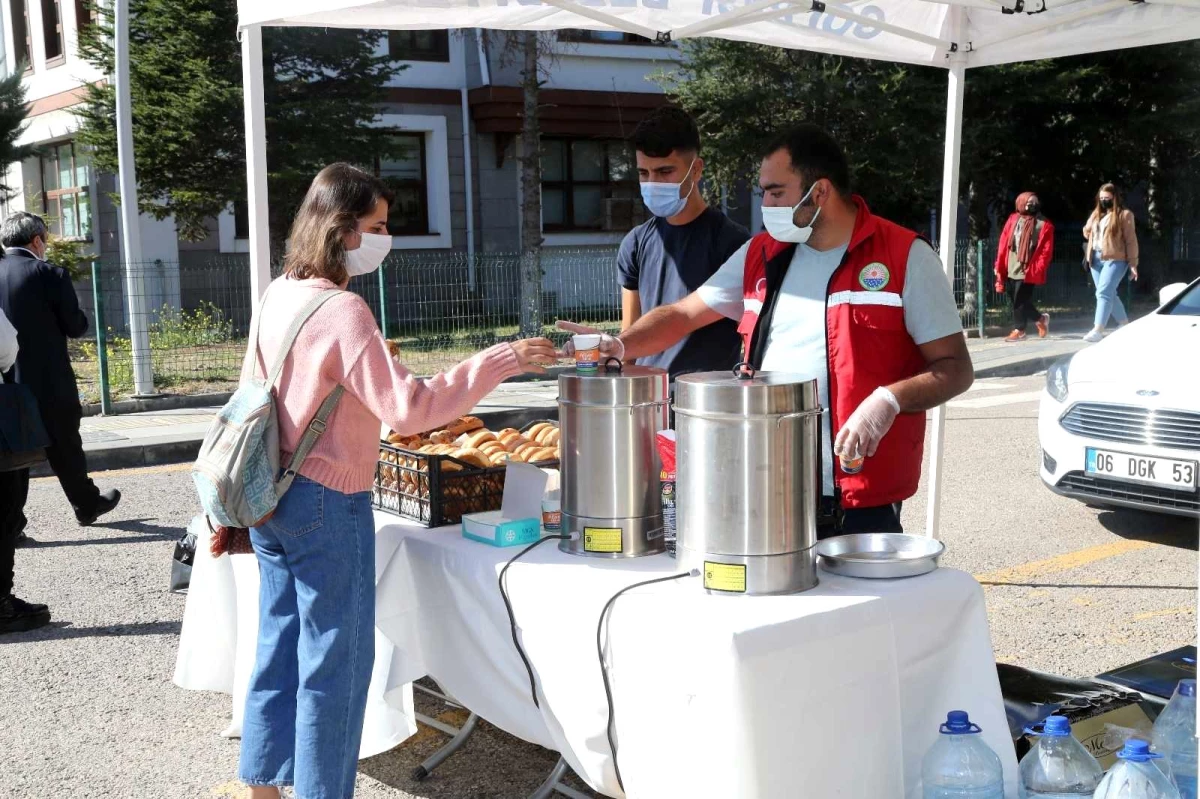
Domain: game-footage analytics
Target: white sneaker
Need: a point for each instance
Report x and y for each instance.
(1093, 336)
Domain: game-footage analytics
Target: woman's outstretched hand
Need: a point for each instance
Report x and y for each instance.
(534, 354)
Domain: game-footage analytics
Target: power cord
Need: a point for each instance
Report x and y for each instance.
(512, 619)
(612, 743)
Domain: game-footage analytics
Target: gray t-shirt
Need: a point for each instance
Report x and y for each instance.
(664, 263)
(796, 340)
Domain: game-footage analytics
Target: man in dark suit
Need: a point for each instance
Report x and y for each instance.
(39, 300)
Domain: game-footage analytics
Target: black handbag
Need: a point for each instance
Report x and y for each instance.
(181, 563)
(23, 437)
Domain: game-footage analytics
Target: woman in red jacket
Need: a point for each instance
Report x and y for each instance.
(1022, 260)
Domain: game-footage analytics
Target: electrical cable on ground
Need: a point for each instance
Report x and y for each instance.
(612, 743)
(512, 619)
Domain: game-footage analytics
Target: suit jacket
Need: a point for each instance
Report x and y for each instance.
(40, 301)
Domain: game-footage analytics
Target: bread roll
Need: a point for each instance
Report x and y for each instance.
(533, 432)
(479, 437)
(553, 436)
(473, 457)
(541, 455)
(442, 437)
(508, 431)
(464, 424)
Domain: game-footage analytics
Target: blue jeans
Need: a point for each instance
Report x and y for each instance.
(316, 643)
(1107, 276)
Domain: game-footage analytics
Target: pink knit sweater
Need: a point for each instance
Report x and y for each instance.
(341, 344)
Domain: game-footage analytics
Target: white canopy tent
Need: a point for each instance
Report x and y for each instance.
(955, 35)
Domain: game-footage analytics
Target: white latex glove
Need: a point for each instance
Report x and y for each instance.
(610, 346)
(867, 426)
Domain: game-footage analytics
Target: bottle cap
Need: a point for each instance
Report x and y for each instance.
(1138, 751)
(958, 723)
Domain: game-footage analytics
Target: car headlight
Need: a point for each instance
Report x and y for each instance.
(1056, 379)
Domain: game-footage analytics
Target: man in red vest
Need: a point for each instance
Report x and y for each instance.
(832, 292)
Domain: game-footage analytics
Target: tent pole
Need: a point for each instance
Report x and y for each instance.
(949, 218)
(254, 101)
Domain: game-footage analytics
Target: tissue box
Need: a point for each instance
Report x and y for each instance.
(519, 520)
(493, 528)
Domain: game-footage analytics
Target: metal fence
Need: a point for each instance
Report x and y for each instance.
(439, 306)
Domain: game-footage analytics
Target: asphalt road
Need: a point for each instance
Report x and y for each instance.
(89, 709)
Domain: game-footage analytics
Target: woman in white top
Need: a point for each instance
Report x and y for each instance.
(8, 343)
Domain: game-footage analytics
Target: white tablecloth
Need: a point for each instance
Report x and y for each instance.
(836, 692)
(220, 632)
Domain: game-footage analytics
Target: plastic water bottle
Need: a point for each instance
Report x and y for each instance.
(960, 765)
(1058, 767)
(1175, 739)
(1136, 776)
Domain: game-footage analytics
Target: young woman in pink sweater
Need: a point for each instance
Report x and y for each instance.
(316, 554)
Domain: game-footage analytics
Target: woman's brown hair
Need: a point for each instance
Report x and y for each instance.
(1117, 209)
(339, 196)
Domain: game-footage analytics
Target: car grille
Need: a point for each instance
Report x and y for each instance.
(1130, 424)
(1102, 488)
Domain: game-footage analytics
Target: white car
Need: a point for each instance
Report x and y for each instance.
(1119, 422)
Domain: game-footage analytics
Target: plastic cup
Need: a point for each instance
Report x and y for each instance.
(587, 351)
(551, 514)
(851, 464)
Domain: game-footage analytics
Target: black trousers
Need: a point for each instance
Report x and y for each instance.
(14, 486)
(879, 519)
(1024, 311)
(67, 461)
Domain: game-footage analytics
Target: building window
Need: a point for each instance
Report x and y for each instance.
(66, 201)
(406, 173)
(241, 219)
(22, 44)
(52, 30)
(85, 13)
(419, 45)
(581, 36)
(589, 184)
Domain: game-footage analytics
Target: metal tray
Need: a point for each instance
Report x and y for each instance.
(880, 555)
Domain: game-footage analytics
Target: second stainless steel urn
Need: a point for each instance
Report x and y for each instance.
(611, 501)
(748, 466)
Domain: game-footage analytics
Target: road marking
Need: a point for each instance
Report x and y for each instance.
(1061, 563)
(1155, 614)
(995, 401)
(985, 385)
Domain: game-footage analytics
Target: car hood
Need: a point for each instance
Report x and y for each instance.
(1155, 353)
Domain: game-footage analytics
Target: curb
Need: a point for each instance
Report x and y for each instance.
(172, 402)
(158, 454)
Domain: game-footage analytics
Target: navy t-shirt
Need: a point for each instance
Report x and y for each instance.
(664, 263)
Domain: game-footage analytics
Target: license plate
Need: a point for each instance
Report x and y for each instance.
(1141, 468)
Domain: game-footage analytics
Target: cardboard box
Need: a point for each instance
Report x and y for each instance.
(519, 520)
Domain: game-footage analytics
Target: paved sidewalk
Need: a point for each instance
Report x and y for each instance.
(145, 439)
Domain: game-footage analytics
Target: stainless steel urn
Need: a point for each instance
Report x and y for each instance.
(747, 492)
(610, 465)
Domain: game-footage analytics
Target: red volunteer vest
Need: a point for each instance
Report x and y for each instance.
(868, 346)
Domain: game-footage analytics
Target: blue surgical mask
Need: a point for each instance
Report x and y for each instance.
(662, 199)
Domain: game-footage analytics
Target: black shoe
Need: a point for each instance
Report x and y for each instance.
(22, 539)
(108, 500)
(18, 616)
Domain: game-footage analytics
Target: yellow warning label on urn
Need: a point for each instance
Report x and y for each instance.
(725, 577)
(601, 539)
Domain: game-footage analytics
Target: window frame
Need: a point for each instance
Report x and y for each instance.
(53, 198)
(422, 184)
(568, 185)
(58, 32)
(22, 36)
(439, 54)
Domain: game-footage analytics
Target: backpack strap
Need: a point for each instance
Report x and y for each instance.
(309, 440)
(289, 337)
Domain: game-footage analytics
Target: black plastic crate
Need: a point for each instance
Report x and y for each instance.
(437, 490)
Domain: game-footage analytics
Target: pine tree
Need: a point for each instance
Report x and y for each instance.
(321, 87)
(12, 125)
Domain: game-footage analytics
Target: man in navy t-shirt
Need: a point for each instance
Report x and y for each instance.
(674, 253)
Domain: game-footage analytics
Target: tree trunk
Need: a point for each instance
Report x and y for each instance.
(531, 194)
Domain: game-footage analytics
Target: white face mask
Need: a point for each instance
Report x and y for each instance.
(778, 221)
(663, 200)
(369, 255)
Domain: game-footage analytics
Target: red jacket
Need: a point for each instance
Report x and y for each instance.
(1043, 251)
(867, 342)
